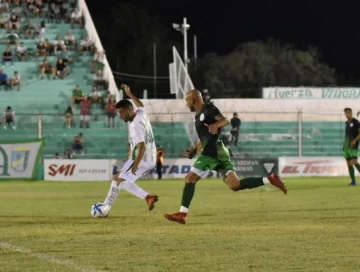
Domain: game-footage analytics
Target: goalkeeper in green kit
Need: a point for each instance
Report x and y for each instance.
(351, 144)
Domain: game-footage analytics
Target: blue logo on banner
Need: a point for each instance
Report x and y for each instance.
(20, 159)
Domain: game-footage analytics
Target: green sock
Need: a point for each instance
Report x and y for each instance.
(357, 167)
(351, 173)
(188, 194)
(249, 183)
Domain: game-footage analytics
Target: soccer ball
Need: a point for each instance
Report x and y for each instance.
(99, 210)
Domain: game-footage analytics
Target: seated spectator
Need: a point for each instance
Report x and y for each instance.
(96, 97)
(67, 154)
(14, 22)
(30, 7)
(111, 112)
(4, 7)
(100, 81)
(58, 44)
(40, 31)
(69, 117)
(39, 8)
(53, 13)
(17, 9)
(4, 80)
(99, 62)
(78, 143)
(49, 47)
(63, 13)
(85, 106)
(45, 68)
(65, 55)
(60, 70)
(7, 57)
(12, 37)
(9, 118)
(41, 50)
(30, 29)
(21, 51)
(15, 80)
(76, 17)
(3, 20)
(70, 39)
(57, 156)
(86, 45)
(77, 95)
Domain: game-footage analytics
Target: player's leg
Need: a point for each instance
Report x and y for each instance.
(349, 161)
(199, 170)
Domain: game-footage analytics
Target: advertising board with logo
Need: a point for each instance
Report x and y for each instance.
(19, 160)
(77, 170)
(255, 167)
(310, 93)
(313, 166)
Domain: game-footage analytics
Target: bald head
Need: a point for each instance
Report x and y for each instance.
(193, 98)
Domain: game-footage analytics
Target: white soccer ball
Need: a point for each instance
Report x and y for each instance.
(99, 210)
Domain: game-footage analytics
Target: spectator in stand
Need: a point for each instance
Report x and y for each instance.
(21, 51)
(53, 13)
(14, 22)
(4, 80)
(4, 19)
(30, 7)
(57, 156)
(30, 29)
(17, 9)
(235, 129)
(99, 81)
(86, 45)
(12, 38)
(39, 8)
(69, 117)
(85, 106)
(58, 44)
(63, 14)
(9, 118)
(40, 31)
(77, 95)
(96, 97)
(46, 68)
(159, 160)
(78, 143)
(111, 112)
(99, 62)
(70, 39)
(15, 80)
(66, 55)
(49, 47)
(7, 57)
(67, 154)
(4, 7)
(41, 50)
(60, 70)
(76, 17)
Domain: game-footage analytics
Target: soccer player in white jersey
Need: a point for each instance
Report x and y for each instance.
(143, 150)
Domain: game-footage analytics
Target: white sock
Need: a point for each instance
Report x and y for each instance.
(134, 189)
(266, 180)
(184, 209)
(113, 193)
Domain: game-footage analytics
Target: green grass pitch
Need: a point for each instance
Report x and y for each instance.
(46, 226)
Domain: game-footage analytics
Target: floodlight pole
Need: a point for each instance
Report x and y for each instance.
(185, 27)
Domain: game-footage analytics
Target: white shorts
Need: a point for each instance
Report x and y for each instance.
(144, 168)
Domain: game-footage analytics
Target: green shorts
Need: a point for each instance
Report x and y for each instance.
(204, 165)
(351, 154)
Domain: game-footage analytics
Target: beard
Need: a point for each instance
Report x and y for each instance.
(192, 108)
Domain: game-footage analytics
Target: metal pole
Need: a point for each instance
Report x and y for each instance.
(300, 133)
(185, 44)
(40, 126)
(155, 71)
(195, 48)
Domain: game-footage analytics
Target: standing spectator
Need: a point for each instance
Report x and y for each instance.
(9, 118)
(159, 161)
(15, 80)
(235, 129)
(78, 143)
(76, 17)
(7, 57)
(100, 81)
(85, 113)
(21, 51)
(53, 13)
(4, 80)
(69, 117)
(77, 95)
(111, 112)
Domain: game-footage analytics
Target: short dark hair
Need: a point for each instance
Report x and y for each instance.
(347, 109)
(126, 104)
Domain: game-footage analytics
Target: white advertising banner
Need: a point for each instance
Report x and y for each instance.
(77, 170)
(313, 166)
(310, 93)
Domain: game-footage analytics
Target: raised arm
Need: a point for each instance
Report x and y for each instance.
(128, 92)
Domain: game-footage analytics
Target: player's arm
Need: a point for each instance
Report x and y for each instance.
(190, 153)
(221, 121)
(128, 92)
(357, 138)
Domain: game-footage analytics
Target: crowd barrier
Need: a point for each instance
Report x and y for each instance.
(103, 170)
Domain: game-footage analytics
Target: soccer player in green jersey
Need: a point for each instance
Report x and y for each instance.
(351, 144)
(214, 156)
